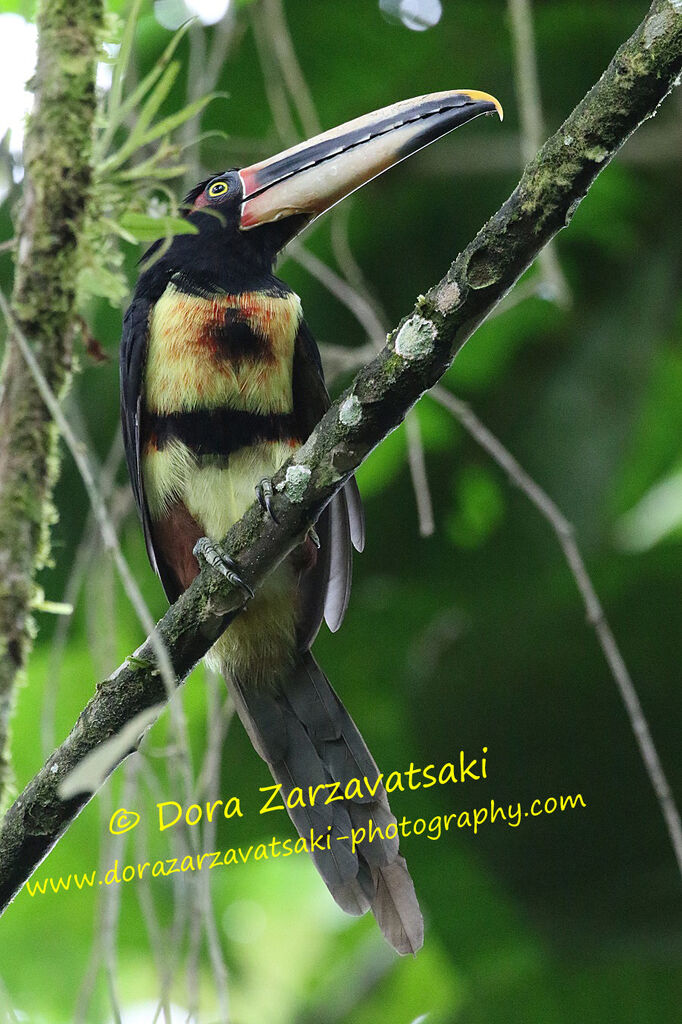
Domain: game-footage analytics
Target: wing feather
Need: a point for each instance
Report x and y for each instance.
(326, 587)
(133, 355)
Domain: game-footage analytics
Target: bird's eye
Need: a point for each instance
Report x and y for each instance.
(218, 188)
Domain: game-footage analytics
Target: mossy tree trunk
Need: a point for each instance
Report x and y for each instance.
(58, 177)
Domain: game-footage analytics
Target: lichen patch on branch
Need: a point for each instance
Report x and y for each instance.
(416, 338)
(296, 482)
(659, 24)
(350, 412)
(448, 297)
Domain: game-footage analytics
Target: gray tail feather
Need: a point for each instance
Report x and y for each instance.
(308, 739)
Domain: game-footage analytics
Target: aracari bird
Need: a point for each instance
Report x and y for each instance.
(221, 380)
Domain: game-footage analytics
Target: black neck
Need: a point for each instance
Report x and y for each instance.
(219, 258)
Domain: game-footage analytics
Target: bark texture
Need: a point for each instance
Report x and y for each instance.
(58, 174)
(417, 353)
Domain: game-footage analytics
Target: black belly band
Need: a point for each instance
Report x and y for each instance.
(219, 431)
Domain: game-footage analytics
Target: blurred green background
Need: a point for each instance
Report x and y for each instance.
(473, 636)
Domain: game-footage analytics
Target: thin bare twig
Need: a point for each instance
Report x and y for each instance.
(100, 606)
(84, 554)
(180, 763)
(112, 900)
(565, 534)
(223, 36)
(207, 64)
(219, 717)
(155, 932)
(171, 937)
(282, 47)
(532, 128)
(363, 310)
(275, 93)
(345, 257)
(420, 481)
(102, 912)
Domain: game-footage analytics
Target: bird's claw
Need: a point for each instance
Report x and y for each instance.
(264, 493)
(214, 556)
(312, 535)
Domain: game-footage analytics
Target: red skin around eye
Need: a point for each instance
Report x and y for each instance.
(201, 200)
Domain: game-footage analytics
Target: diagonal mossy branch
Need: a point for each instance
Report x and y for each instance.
(58, 175)
(417, 353)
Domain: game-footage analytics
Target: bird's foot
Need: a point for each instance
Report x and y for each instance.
(214, 556)
(264, 493)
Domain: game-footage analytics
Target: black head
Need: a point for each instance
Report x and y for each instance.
(215, 206)
(221, 254)
(221, 193)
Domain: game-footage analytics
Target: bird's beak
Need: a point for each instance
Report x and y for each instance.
(309, 178)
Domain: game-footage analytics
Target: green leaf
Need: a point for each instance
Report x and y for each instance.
(173, 121)
(146, 228)
(148, 169)
(97, 280)
(656, 517)
(158, 94)
(164, 151)
(147, 114)
(210, 133)
(134, 662)
(163, 127)
(142, 88)
(119, 230)
(54, 607)
(121, 65)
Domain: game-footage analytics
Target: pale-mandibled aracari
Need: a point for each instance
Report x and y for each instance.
(220, 381)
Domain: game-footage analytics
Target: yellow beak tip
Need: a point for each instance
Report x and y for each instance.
(474, 94)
